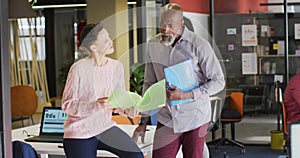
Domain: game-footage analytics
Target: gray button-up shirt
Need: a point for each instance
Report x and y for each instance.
(208, 72)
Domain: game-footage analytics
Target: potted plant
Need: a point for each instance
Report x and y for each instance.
(137, 77)
(62, 78)
(63, 72)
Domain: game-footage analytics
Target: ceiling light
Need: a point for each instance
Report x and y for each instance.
(131, 3)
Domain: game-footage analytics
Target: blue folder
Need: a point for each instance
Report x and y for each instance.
(182, 76)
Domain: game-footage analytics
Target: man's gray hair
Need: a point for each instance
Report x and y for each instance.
(171, 6)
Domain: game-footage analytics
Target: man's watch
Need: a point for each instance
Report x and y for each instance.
(143, 122)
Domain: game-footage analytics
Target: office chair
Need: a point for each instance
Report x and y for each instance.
(285, 129)
(24, 102)
(230, 116)
(23, 150)
(216, 109)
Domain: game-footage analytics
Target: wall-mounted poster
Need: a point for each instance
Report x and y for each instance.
(231, 31)
(249, 35)
(297, 31)
(230, 47)
(264, 31)
(249, 63)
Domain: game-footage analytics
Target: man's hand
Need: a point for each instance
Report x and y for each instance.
(174, 93)
(140, 131)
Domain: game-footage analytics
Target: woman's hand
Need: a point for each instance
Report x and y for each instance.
(126, 112)
(102, 101)
(132, 112)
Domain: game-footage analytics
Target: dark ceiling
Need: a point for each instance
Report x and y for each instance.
(57, 2)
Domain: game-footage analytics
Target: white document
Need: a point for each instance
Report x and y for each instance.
(249, 63)
(297, 31)
(264, 28)
(280, 50)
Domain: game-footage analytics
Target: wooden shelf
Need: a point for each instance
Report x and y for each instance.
(275, 56)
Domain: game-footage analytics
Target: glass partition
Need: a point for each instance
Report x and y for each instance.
(251, 38)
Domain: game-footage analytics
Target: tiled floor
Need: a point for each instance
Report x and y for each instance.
(253, 129)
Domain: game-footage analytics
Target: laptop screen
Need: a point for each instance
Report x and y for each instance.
(53, 120)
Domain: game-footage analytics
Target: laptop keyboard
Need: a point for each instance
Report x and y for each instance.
(51, 139)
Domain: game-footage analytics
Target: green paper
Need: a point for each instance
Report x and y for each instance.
(154, 97)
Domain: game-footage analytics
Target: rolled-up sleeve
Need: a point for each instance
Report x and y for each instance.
(211, 69)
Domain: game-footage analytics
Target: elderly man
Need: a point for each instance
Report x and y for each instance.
(185, 123)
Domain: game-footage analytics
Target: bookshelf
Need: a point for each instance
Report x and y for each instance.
(270, 58)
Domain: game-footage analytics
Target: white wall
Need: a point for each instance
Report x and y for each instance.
(279, 9)
(200, 23)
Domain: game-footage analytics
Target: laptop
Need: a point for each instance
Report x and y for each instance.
(52, 126)
(295, 139)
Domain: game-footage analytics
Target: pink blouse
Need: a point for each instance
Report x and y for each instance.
(85, 84)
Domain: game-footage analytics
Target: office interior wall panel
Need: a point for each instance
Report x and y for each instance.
(114, 15)
(197, 6)
(5, 112)
(200, 23)
(223, 6)
(64, 41)
(240, 6)
(279, 8)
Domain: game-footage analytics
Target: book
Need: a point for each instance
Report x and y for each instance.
(181, 75)
(154, 97)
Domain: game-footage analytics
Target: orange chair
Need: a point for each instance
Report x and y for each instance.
(24, 102)
(119, 119)
(285, 128)
(284, 121)
(231, 115)
(54, 99)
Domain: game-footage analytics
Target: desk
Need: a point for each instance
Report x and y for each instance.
(45, 149)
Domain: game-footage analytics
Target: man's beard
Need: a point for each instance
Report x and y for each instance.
(167, 39)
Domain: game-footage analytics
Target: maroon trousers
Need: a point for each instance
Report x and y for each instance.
(167, 143)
